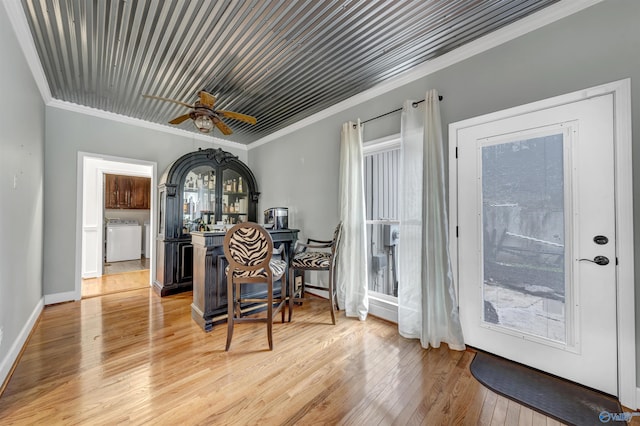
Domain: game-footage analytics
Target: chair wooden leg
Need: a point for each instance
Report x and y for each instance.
(292, 280)
(270, 315)
(236, 301)
(230, 312)
(330, 295)
(283, 296)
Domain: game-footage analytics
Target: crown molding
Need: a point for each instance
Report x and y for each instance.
(546, 16)
(20, 26)
(81, 109)
(25, 39)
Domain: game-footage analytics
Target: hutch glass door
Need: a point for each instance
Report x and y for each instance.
(199, 199)
(235, 206)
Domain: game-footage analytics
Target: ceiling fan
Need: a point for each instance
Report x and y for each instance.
(204, 116)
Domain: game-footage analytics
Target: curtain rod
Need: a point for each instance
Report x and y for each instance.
(414, 104)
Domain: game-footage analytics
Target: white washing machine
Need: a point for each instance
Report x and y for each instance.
(124, 240)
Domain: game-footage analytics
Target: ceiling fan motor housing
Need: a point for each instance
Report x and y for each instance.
(202, 119)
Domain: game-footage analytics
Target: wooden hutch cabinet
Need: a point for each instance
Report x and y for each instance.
(197, 191)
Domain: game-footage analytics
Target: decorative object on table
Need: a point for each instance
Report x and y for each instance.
(277, 217)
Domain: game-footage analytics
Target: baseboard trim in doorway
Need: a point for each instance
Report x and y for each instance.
(552, 396)
(54, 298)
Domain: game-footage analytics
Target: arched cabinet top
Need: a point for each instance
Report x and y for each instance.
(183, 207)
(215, 158)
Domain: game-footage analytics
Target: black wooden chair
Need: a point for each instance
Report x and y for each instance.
(315, 255)
(249, 250)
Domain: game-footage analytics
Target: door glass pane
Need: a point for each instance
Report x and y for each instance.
(524, 236)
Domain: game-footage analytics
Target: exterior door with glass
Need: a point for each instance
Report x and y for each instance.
(536, 246)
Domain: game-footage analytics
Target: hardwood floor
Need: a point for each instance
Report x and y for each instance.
(115, 283)
(135, 358)
(126, 266)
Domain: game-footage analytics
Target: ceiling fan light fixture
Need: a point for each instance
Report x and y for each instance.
(204, 116)
(203, 123)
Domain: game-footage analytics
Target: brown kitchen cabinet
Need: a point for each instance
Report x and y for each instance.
(127, 192)
(140, 193)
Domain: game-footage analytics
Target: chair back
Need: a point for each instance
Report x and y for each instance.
(337, 235)
(248, 247)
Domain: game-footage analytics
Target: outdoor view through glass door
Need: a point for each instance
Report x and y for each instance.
(524, 286)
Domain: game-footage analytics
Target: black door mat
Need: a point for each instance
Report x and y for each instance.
(560, 399)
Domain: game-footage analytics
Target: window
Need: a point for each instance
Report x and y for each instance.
(381, 169)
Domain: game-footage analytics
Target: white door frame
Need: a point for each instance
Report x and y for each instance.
(100, 201)
(621, 90)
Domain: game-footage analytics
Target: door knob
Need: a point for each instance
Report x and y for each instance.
(599, 260)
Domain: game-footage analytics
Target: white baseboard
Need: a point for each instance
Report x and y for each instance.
(320, 293)
(378, 307)
(14, 352)
(52, 299)
(383, 309)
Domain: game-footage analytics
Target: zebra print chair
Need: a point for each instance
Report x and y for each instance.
(321, 257)
(249, 251)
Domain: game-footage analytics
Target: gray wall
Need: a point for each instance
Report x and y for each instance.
(21, 155)
(598, 45)
(67, 134)
(302, 174)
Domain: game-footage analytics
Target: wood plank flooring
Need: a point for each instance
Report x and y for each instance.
(115, 283)
(126, 266)
(135, 358)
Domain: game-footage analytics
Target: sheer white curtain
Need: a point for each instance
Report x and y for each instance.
(427, 307)
(352, 256)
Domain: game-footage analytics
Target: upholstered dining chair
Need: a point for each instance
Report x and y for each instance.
(248, 248)
(315, 255)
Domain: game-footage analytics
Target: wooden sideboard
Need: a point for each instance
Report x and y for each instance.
(209, 281)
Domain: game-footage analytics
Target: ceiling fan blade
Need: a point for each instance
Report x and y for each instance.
(168, 100)
(207, 99)
(223, 127)
(237, 116)
(180, 119)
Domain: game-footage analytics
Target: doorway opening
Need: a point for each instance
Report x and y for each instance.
(116, 224)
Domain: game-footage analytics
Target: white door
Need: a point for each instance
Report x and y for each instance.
(536, 246)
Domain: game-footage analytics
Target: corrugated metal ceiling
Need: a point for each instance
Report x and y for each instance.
(279, 61)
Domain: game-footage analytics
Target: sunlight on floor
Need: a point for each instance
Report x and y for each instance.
(115, 283)
(126, 266)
